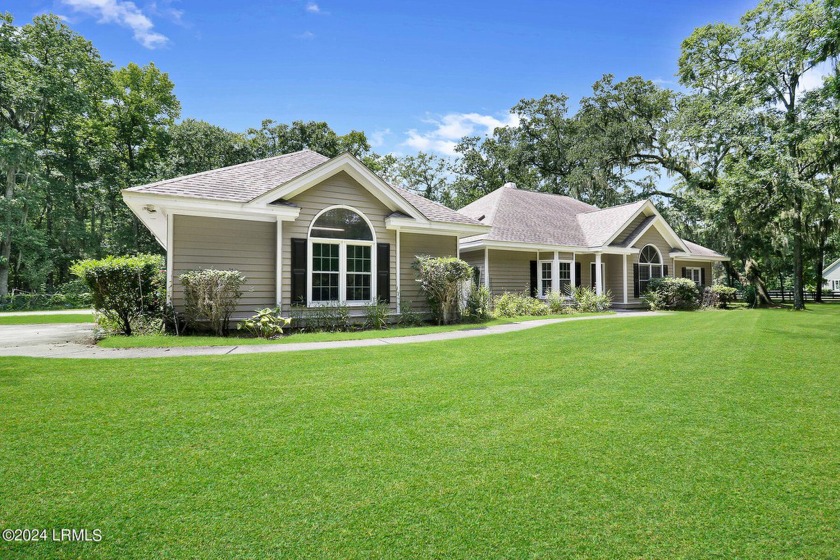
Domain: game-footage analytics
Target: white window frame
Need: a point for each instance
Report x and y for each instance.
(650, 267)
(554, 271)
(342, 261)
(691, 270)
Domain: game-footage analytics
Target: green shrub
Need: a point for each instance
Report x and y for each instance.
(559, 303)
(672, 293)
(266, 323)
(725, 294)
(408, 316)
(587, 300)
(71, 295)
(211, 296)
(376, 316)
(478, 303)
(328, 317)
(441, 280)
(514, 304)
(124, 289)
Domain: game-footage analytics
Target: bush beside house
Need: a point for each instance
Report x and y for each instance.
(672, 294)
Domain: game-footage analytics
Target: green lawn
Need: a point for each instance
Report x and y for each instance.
(40, 319)
(694, 435)
(239, 339)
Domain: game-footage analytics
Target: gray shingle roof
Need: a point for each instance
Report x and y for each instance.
(246, 181)
(523, 216)
(238, 183)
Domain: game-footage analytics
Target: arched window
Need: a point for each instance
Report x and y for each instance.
(650, 266)
(342, 261)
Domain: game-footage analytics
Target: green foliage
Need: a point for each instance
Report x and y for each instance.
(441, 279)
(750, 296)
(266, 323)
(376, 315)
(125, 290)
(479, 303)
(672, 293)
(409, 317)
(518, 304)
(587, 300)
(327, 317)
(211, 296)
(724, 294)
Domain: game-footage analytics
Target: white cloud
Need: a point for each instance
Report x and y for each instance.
(124, 13)
(305, 35)
(377, 137)
(314, 8)
(450, 128)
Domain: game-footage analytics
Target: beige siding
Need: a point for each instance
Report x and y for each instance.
(510, 271)
(246, 246)
(653, 237)
(340, 189)
(413, 245)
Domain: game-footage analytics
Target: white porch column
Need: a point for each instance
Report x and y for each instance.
(599, 277)
(555, 273)
(572, 278)
(486, 268)
(398, 271)
(170, 254)
(624, 261)
(278, 281)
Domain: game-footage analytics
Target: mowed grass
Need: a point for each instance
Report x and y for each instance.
(37, 319)
(694, 435)
(238, 338)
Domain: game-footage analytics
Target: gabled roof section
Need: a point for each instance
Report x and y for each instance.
(435, 211)
(237, 183)
(830, 268)
(698, 250)
(602, 226)
(522, 216)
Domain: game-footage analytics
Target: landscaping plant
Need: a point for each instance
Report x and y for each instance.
(587, 300)
(516, 304)
(266, 323)
(125, 290)
(478, 303)
(725, 295)
(211, 296)
(441, 279)
(376, 316)
(672, 294)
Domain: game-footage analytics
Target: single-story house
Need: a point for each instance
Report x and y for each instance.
(831, 276)
(309, 230)
(544, 242)
(302, 228)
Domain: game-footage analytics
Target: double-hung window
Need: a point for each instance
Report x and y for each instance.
(342, 261)
(545, 278)
(694, 274)
(650, 266)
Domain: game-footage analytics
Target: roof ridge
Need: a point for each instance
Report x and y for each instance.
(225, 168)
(616, 206)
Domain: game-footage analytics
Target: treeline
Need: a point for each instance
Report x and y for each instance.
(743, 157)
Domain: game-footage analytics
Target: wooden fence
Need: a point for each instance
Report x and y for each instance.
(827, 295)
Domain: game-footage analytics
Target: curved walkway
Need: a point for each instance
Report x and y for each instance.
(70, 345)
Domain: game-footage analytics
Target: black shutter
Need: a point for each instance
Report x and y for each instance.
(383, 272)
(298, 271)
(665, 270)
(533, 278)
(635, 280)
(702, 275)
(578, 279)
(684, 273)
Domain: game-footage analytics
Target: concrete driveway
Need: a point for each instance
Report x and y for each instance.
(43, 339)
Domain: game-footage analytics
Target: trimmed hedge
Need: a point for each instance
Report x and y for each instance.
(124, 289)
(672, 293)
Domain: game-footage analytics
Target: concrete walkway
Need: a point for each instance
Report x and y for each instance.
(14, 341)
(55, 312)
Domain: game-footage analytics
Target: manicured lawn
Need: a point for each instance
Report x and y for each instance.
(695, 435)
(34, 319)
(239, 339)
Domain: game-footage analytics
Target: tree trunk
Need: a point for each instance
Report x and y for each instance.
(6, 234)
(751, 276)
(782, 285)
(798, 269)
(820, 260)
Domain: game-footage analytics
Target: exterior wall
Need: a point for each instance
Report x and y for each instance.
(413, 245)
(249, 247)
(706, 266)
(340, 189)
(832, 278)
(653, 237)
(510, 271)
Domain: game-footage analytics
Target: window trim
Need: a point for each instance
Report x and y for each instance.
(649, 266)
(690, 270)
(342, 261)
(540, 295)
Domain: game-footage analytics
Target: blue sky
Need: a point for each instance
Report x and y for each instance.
(412, 75)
